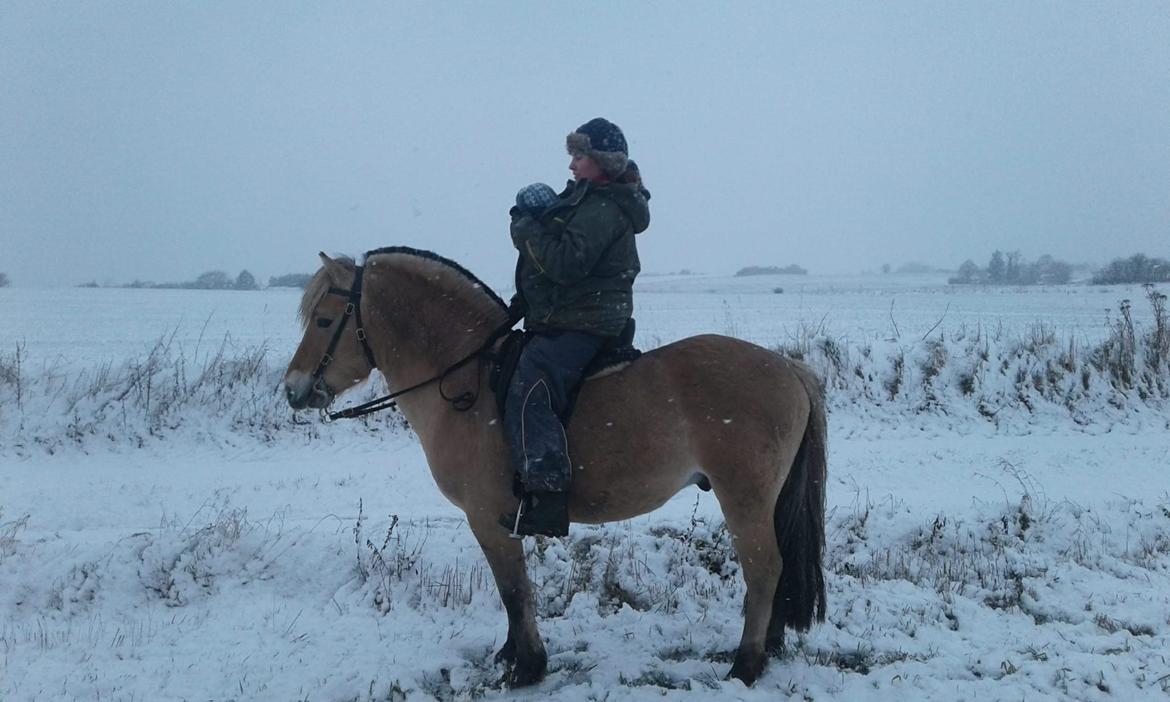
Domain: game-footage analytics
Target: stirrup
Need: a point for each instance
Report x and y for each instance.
(515, 534)
(536, 520)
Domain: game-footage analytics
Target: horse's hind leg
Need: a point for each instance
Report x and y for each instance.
(523, 651)
(749, 515)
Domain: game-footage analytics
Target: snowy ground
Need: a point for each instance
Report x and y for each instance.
(967, 558)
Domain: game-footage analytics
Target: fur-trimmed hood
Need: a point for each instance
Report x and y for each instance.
(613, 163)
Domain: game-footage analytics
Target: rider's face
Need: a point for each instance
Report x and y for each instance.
(585, 168)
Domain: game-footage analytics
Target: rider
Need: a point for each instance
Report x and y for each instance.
(574, 289)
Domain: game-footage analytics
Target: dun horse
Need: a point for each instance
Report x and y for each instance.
(748, 420)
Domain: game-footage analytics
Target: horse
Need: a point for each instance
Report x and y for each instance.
(748, 420)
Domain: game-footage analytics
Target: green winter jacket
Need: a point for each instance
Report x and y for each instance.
(578, 259)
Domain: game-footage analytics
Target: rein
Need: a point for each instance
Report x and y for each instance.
(462, 402)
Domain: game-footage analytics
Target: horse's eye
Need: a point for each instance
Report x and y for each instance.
(324, 323)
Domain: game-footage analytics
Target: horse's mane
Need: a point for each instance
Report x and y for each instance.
(431, 256)
(319, 286)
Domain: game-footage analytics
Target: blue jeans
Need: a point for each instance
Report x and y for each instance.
(550, 368)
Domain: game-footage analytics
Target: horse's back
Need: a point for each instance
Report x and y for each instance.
(710, 372)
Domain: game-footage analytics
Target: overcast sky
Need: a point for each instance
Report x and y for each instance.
(159, 140)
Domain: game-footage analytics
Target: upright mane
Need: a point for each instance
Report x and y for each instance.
(473, 282)
(319, 285)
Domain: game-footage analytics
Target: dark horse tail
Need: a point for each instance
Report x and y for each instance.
(800, 524)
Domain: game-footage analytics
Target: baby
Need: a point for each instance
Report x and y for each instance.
(536, 198)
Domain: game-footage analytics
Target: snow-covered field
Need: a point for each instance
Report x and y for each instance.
(999, 512)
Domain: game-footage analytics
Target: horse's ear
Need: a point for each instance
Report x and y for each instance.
(332, 268)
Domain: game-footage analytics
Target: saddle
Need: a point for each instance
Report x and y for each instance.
(616, 351)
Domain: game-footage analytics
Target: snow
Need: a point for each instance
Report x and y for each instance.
(224, 551)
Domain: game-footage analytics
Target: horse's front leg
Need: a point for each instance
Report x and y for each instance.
(523, 651)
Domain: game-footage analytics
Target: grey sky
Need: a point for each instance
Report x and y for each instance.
(160, 140)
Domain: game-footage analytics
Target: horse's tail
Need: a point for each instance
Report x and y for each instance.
(800, 523)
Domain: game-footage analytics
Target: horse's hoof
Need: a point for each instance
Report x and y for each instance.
(774, 646)
(747, 668)
(507, 653)
(528, 672)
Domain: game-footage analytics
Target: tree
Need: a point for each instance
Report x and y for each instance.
(1059, 273)
(969, 272)
(1049, 271)
(290, 280)
(791, 269)
(1138, 268)
(213, 280)
(1014, 269)
(997, 268)
(3, 280)
(245, 281)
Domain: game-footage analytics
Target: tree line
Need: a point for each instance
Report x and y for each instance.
(792, 269)
(213, 280)
(1138, 268)
(1011, 268)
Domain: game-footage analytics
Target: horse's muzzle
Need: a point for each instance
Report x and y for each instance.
(302, 391)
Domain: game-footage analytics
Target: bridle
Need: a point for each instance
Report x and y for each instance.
(353, 308)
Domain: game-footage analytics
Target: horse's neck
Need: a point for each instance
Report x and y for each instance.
(428, 326)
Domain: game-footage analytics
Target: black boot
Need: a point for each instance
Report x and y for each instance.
(541, 513)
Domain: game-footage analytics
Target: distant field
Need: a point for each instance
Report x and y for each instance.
(95, 325)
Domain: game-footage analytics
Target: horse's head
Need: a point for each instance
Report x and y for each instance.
(332, 357)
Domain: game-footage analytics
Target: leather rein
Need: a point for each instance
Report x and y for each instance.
(353, 308)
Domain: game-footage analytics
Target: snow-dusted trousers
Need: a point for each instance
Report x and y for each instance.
(549, 369)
